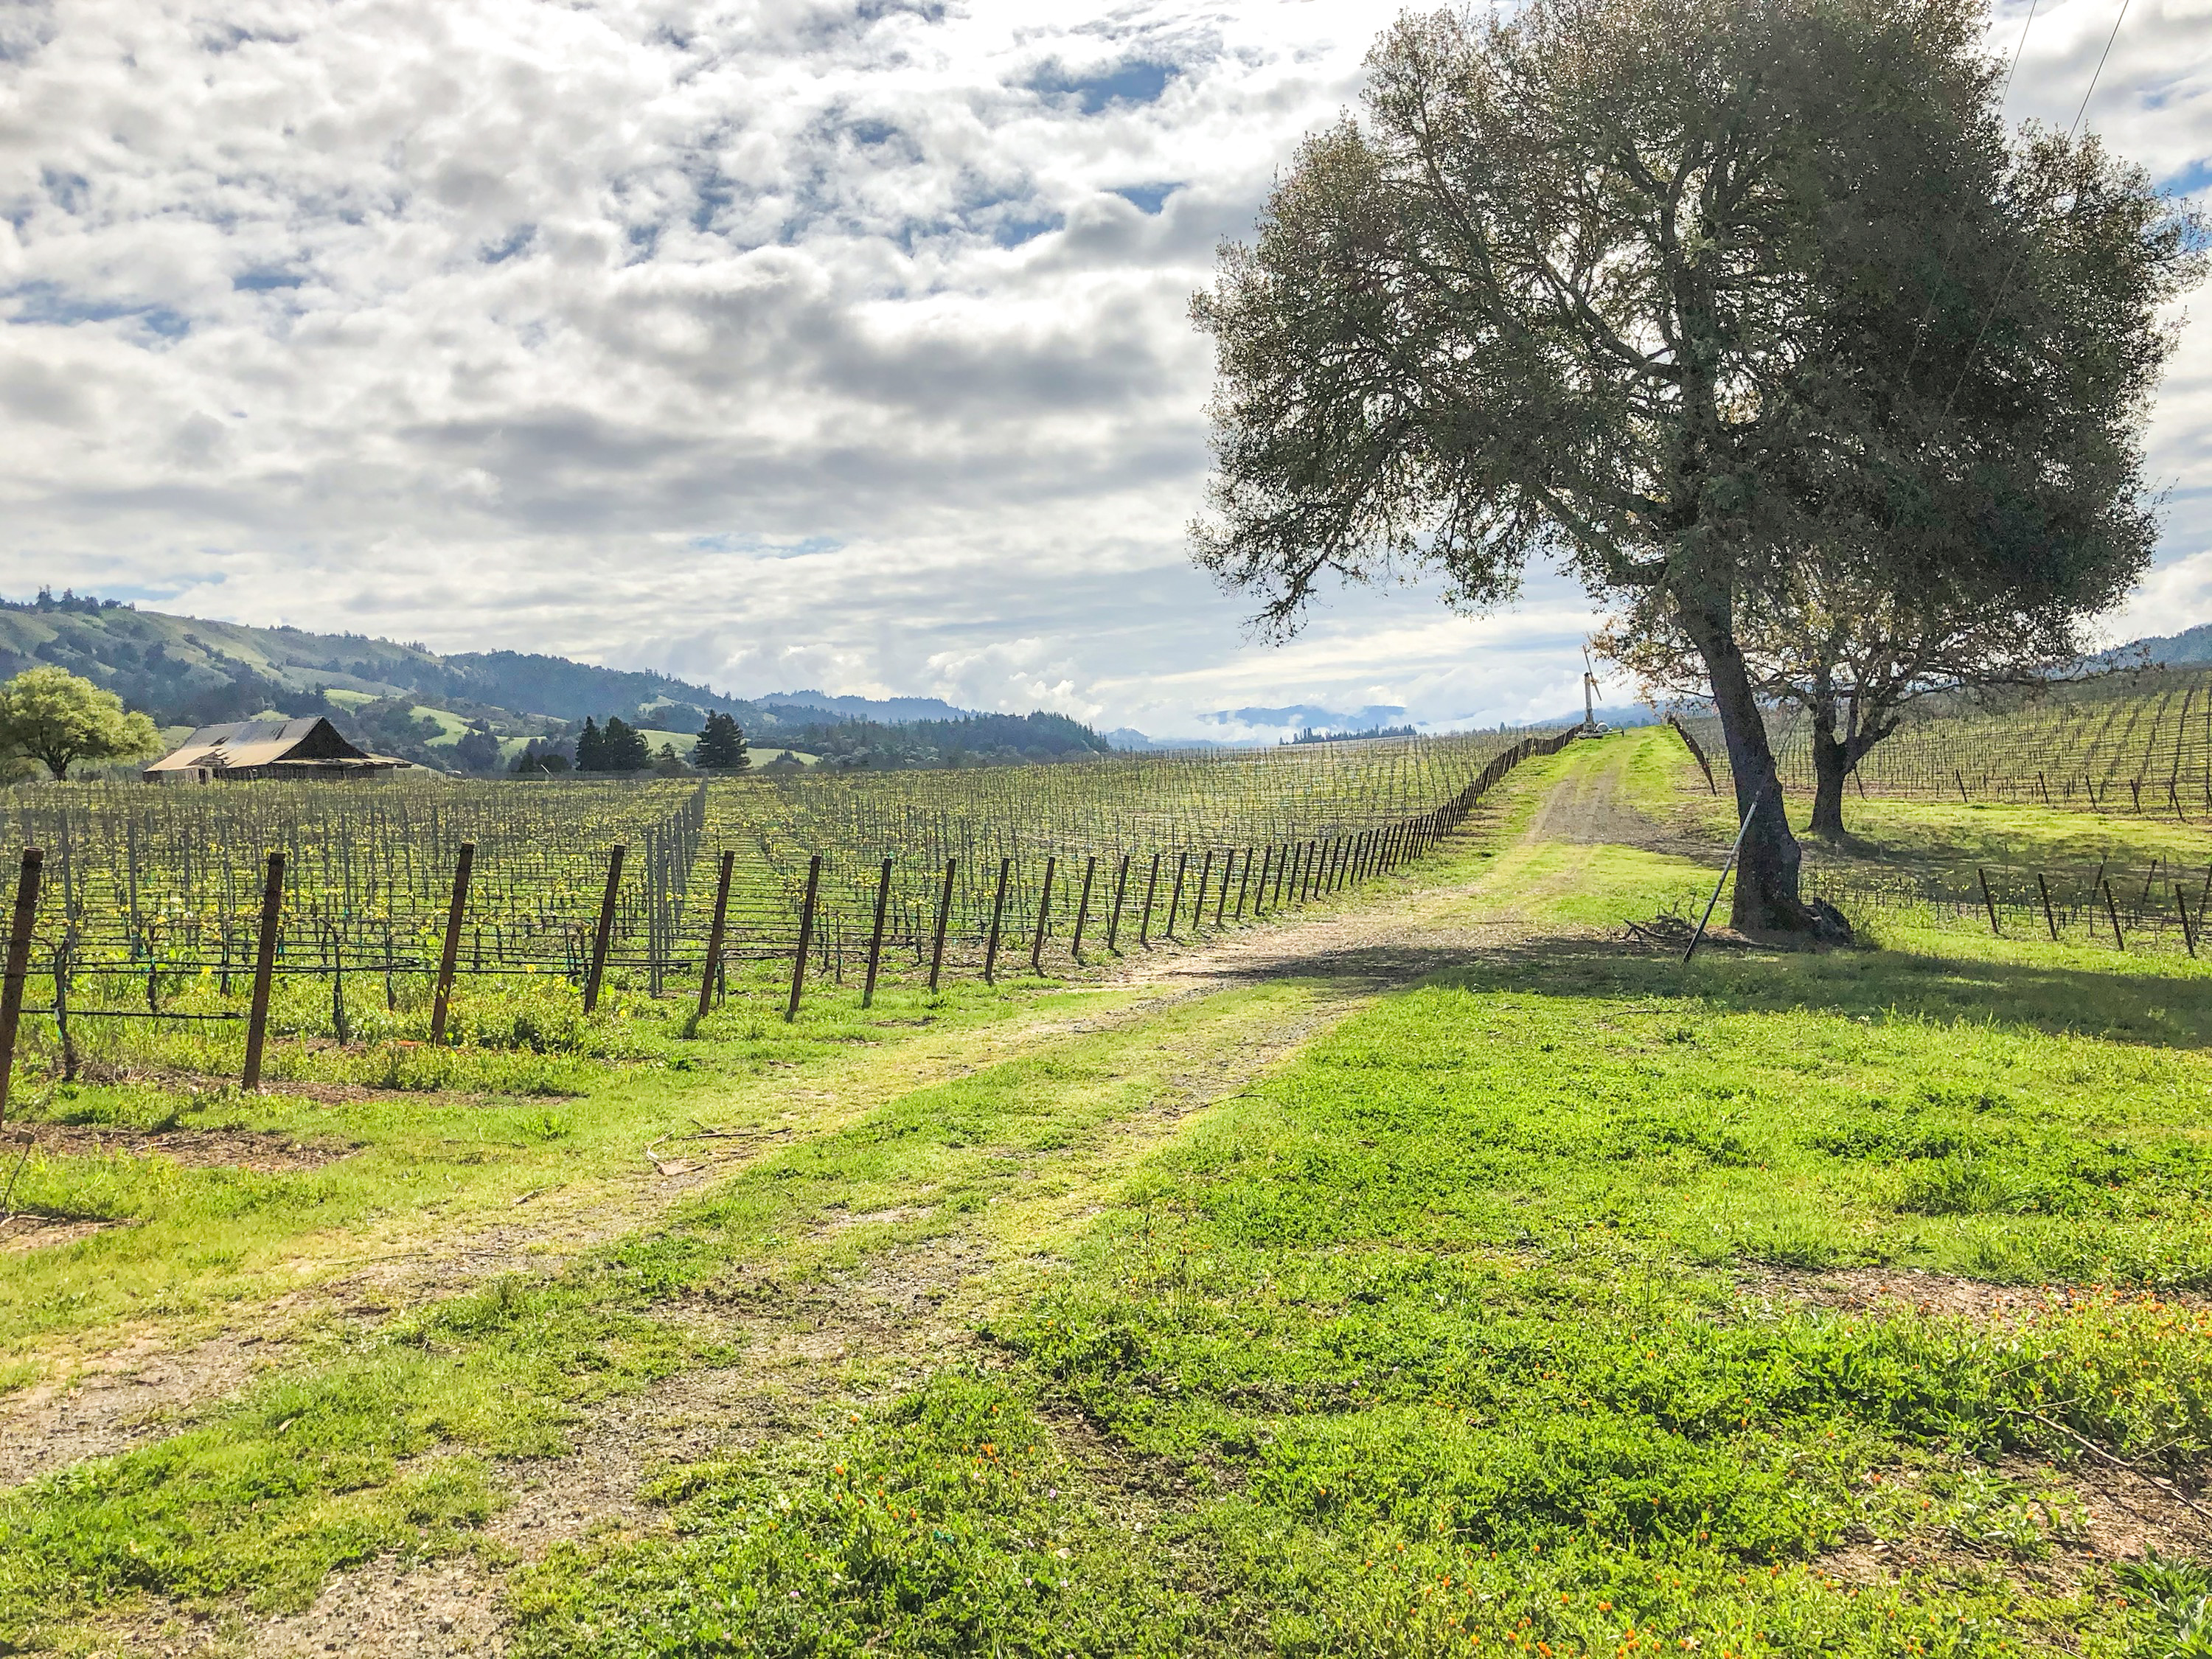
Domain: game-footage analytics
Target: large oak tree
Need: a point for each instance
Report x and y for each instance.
(1671, 292)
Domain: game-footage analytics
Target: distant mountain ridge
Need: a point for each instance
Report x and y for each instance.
(2191, 646)
(190, 672)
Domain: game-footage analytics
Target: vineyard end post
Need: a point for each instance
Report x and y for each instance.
(1989, 902)
(605, 934)
(805, 938)
(448, 957)
(1083, 909)
(264, 968)
(876, 936)
(944, 916)
(1045, 917)
(19, 964)
(998, 917)
(711, 967)
(2050, 920)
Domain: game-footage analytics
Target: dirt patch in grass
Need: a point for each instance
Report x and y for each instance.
(236, 1149)
(118, 1400)
(1900, 1289)
(43, 1232)
(2113, 1515)
(1896, 1290)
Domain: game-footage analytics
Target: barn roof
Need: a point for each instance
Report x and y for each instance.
(242, 745)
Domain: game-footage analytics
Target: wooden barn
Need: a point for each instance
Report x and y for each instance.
(309, 748)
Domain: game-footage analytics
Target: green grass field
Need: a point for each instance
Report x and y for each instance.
(1564, 1301)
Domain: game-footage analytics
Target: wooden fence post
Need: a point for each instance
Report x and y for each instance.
(1152, 889)
(998, 915)
(19, 964)
(805, 938)
(1121, 891)
(447, 957)
(1044, 916)
(712, 965)
(876, 937)
(2112, 911)
(2050, 920)
(1988, 902)
(264, 968)
(1083, 909)
(1244, 884)
(606, 932)
(944, 916)
(1198, 903)
(1175, 897)
(2188, 929)
(1221, 904)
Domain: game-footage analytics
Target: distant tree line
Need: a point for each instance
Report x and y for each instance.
(1311, 735)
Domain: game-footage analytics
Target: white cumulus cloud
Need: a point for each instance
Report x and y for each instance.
(773, 343)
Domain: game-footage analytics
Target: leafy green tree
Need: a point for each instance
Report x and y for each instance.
(536, 762)
(1671, 292)
(591, 747)
(623, 747)
(667, 763)
(58, 719)
(478, 750)
(721, 745)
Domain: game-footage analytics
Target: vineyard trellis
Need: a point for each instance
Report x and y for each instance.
(663, 887)
(2139, 743)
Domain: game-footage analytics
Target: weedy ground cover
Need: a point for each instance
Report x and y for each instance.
(1460, 1334)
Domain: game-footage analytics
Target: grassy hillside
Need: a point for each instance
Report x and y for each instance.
(408, 701)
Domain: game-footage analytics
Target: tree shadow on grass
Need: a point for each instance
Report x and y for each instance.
(1877, 985)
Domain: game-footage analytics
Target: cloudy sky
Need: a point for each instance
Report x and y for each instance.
(774, 344)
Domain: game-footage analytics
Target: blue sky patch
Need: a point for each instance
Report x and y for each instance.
(1140, 80)
(1147, 198)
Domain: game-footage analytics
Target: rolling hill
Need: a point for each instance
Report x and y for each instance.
(476, 710)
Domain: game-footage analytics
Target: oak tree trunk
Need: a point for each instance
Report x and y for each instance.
(1831, 767)
(1766, 895)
